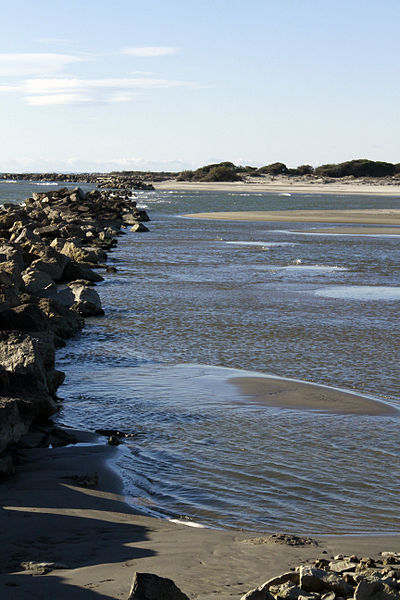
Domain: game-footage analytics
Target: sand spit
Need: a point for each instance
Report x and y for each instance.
(384, 216)
(286, 186)
(286, 393)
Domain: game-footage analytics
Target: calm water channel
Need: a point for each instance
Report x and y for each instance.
(196, 302)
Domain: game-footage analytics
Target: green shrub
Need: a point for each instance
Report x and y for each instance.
(277, 168)
(361, 167)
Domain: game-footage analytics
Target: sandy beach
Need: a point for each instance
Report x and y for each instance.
(65, 506)
(286, 186)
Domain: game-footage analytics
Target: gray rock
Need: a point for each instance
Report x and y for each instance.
(147, 586)
(74, 270)
(342, 566)
(37, 282)
(52, 266)
(317, 580)
(139, 227)
(258, 594)
(87, 300)
(376, 590)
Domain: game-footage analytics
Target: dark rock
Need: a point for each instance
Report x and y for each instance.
(74, 271)
(139, 227)
(147, 586)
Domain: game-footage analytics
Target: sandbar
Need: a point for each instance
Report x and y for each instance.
(384, 216)
(283, 187)
(357, 230)
(99, 541)
(288, 393)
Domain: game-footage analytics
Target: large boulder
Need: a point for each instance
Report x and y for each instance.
(74, 250)
(147, 586)
(317, 580)
(38, 282)
(82, 299)
(53, 266)
(24, 317)
(74, 270)
(62, 321)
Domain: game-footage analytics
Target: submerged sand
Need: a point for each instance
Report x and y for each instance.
(99, 542)
(287, 393)
(384, 216)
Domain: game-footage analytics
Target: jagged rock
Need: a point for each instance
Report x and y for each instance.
(41, 568)
(48, 232)
(25, 317)
(375, 590)
(317, 580)
(24, 236)
(262, 592)
(10, 274)
(147, 586)
(258, 594)
(12, 423)
(83, 299)
(54, 267)
(9, 252)
(38, 282)
(74, 270)
(62, 321)
(139, 227)
(342, 566)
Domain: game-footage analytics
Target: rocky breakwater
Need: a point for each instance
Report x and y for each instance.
(50, 247)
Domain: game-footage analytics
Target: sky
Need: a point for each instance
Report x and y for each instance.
(95, 85)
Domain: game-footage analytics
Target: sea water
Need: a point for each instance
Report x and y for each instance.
(197, 302)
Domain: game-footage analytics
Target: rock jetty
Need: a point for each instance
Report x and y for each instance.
(50, 247)
(121, 181)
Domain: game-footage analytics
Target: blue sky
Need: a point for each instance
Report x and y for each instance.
(167, 85)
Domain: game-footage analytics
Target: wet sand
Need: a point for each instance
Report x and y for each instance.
(46, 515)
(287, 186)
(383, 216)
(286, 393)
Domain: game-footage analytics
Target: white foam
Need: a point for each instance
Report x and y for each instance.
(284, 194)
(360, 292)
(187, 523)
(312, 269)
(262, 244)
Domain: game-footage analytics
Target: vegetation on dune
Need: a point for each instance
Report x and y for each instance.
(361, 167)
(227, 171)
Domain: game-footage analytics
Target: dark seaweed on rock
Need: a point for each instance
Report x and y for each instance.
(49, 248)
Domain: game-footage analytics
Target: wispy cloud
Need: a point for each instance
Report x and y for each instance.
(53, 91)
(58, 99)
(15, 64)
(149, 51)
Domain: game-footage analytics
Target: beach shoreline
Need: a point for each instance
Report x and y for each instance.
(97, 541)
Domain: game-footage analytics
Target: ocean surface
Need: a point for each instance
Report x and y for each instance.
(197, 302)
